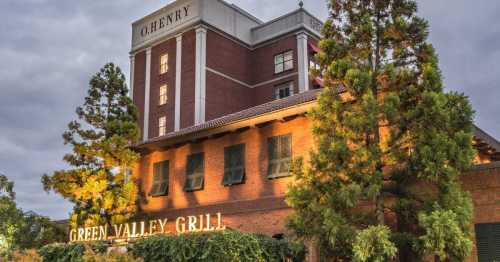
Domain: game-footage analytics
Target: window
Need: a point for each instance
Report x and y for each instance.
(163, 63)
(284, 90)
(234, 165)
(283, 62)
(160, 179)
(314, 65)
(488, 242)
(280, 156)
(162, 126)
(194, 172)
(163, 95)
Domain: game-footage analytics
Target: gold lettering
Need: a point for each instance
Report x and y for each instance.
(134, 227)
(103, 232)
(201, 223)
(219, 222)
(162, 225)
(94, 233)
(191, 223)
(143, 228)
(126, 231)
(118, 230)
(209, 226)
(180, 227)
(152, 227)
(88, 233)
(72, 235)
(81, 233)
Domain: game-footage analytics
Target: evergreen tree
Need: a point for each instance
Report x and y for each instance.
(383, 179)
(97, 181)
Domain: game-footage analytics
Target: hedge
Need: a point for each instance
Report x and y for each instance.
(220, 246)
(69, 252)
(198, 247)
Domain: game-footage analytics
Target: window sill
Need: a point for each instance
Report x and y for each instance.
(282, 175)
(192, 190)
(158, 195)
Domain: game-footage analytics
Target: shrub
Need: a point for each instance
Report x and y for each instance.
(219, 246)
(113, 256)
(199, 247)
(29, 255)
(72, 252)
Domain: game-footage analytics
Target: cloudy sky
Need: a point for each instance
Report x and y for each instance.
(49, 48)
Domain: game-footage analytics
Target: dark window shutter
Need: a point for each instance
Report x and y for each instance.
(194, 172)
(488, 242)
(160, 178)
(234, 165)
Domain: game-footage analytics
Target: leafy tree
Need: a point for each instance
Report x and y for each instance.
(10, 217)
(38, 231)
(97, 181)
(19, 230)
(383, 178)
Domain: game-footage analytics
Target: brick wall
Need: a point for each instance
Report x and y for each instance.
(483, 183)
(188, 79)
(256, 186)
(139, 84)
(258, 204)
(168, 110)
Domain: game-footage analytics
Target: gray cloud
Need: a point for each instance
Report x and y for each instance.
(50, 48)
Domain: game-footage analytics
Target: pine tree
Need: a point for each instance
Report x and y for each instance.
(97, 181)
(383, 178)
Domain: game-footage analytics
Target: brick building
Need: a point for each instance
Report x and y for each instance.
(222, 98)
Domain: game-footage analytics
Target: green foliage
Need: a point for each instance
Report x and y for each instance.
(37, 231)
(73, 252)
(11, 219)
(113, 256)
(26, 255)
(220, 246)
(443, 235)
(101, 158)
(392, 138)
(19, 230)
(374, 244)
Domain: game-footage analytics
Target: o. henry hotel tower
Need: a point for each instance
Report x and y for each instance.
(222, 99)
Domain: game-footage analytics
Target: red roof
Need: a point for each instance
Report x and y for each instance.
(280, 104)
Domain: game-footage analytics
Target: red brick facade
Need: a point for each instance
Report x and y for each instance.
(239, 81)
(248, 80)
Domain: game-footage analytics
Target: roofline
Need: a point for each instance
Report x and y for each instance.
(242, 124)
(233, 6)
(491, 141)
(304, 103)
(243, 12)
(283, 16)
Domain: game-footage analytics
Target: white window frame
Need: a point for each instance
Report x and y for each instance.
(163, 95)
(162, 126)
(163, 63)
(288, 85)
(283, 62)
